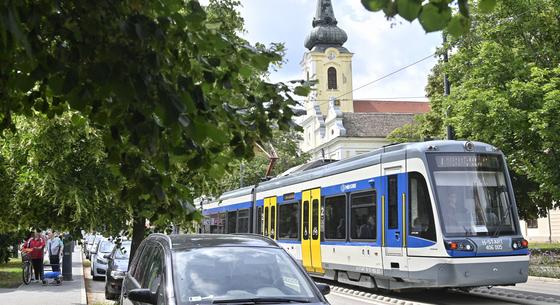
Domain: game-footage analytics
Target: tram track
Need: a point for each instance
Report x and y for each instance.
(479, 296)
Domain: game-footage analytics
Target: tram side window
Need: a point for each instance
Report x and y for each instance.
(243, 221)
(393, 203)
(217, 223)
(288, 221)
(335, 217)
(363, 215)
(260, 220)
(420, 212)
(232, 221)
(273, 222)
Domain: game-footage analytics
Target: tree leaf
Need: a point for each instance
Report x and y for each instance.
(375, 5)
(458, 25)
(486, 6)
(433, 18)
(409, 9)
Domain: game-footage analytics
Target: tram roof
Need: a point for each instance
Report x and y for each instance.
(386, 154)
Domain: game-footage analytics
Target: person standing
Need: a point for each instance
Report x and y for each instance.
(37, 246)
(54, 248)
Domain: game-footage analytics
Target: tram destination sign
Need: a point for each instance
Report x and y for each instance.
(467, 161)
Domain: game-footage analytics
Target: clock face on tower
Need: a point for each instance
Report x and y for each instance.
(331, 55)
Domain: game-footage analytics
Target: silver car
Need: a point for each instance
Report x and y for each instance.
(98, 260)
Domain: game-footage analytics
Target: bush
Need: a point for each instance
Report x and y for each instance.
(545, 262)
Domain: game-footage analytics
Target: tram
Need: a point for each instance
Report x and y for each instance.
(415, 215)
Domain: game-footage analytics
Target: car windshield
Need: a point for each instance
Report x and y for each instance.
(123, 252)
(472, 195)
(106, 247)
(219, 274)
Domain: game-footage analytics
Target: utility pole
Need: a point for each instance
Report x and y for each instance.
(241, 168)
(447, 89)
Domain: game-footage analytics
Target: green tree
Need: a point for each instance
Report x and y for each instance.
(434, 15)
(59, 177)
(253, 171)
(175, 91)
(505, 90)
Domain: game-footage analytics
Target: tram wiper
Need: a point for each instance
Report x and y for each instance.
(506, 215)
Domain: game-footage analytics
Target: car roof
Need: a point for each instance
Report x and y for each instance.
(190, 241)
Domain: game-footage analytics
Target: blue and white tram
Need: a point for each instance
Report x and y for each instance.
(413, 215)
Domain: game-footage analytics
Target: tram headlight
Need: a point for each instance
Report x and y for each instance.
(459, 245)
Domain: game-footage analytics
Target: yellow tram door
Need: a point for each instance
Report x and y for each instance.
(270, 217)
(311, 230)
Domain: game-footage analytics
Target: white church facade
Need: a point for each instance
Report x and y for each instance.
(337, 126)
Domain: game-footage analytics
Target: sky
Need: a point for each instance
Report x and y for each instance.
(379, 46)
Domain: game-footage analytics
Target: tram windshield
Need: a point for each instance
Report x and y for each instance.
(472, 194)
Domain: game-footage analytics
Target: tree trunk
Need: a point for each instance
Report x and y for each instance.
(138, 230)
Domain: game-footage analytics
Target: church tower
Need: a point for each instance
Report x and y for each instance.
(330, 64)
(328, 61)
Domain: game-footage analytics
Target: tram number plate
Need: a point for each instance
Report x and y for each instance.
(491, 245)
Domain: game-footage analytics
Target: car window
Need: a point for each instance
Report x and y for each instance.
(122, 251)
(143, 261)
(105, 246)
(205, 275)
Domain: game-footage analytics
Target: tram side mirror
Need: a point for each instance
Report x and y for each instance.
(324, 288)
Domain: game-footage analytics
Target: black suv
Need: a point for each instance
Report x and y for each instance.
(217, 269)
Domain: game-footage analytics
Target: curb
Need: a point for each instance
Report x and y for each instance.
(83, 294)
(544, 279)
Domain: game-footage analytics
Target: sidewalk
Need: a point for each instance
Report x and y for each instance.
(69, 293)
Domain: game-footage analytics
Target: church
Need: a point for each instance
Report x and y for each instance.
(336, 126)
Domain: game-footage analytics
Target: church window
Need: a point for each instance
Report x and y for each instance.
(331, 76)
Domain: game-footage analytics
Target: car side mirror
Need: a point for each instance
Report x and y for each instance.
(107, 256)
(142, 295)
(324, 288)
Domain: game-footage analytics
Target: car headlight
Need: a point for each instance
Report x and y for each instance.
(116, 274)
(101, 261)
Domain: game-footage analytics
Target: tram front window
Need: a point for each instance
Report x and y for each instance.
(472, 195)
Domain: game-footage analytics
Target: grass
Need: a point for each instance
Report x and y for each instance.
(10, 274)
(544, 245)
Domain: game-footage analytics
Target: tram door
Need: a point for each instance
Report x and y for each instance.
(311, 230)
(395, 223)
(269, 227)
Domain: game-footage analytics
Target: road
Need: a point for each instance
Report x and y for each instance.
(536, 291)
(95, 289)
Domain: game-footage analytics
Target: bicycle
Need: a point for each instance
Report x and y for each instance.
(26, 266)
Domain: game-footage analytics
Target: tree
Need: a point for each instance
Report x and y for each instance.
(174, 89)
(253, 171)
(505, 91)
(434, 15)
(59, 177)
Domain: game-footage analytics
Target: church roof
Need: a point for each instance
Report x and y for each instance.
(377, 125)
(325, 32)
(391, 106)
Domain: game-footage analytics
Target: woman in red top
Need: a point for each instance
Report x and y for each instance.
(37, 246)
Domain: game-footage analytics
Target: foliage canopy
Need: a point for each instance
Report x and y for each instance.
(505, 79)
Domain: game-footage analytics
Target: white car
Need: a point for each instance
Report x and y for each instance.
(98, 261)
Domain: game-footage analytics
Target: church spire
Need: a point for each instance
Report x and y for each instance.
(325, 31)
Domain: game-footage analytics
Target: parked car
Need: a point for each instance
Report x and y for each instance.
(214, 269)
(98, 260)
(116, 269)
(87, 244)
(92, 245)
